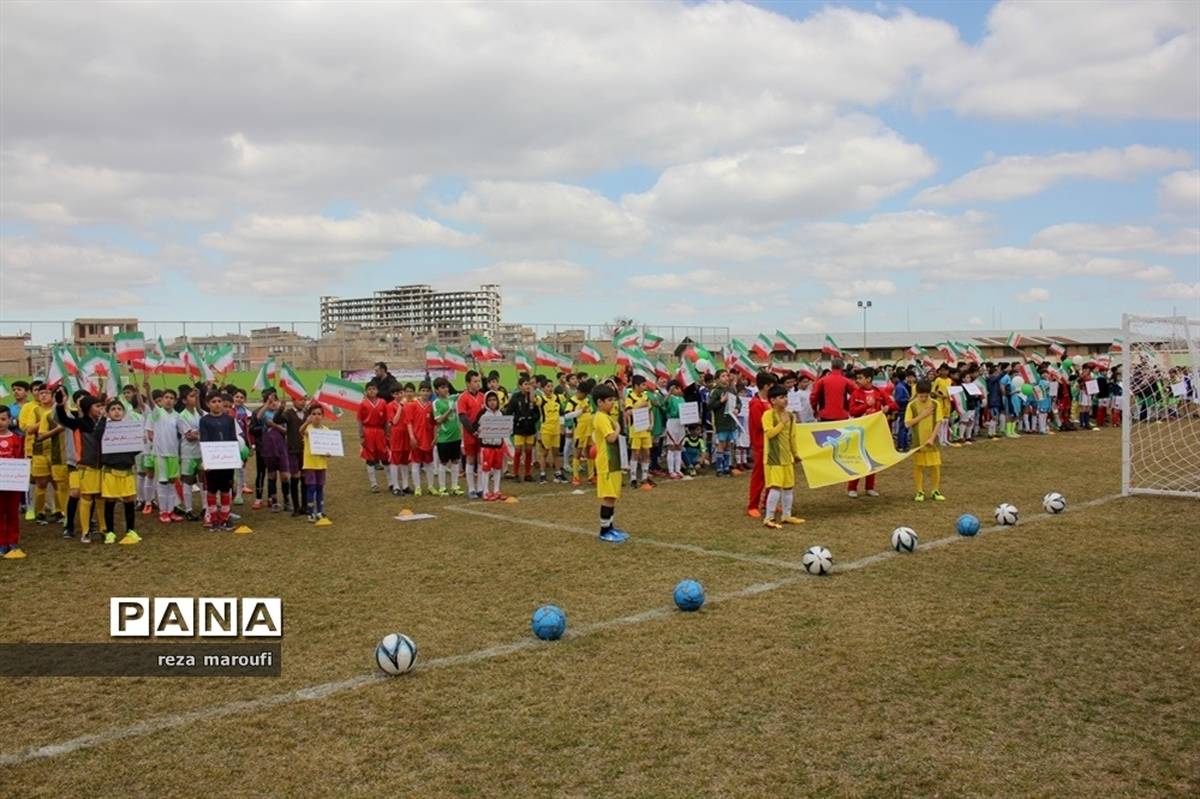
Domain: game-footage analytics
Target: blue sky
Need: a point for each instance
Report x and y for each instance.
(756, 166)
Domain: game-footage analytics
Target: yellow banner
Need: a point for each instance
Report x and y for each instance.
(835, 452)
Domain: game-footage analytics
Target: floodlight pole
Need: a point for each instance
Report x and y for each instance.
(864, 304)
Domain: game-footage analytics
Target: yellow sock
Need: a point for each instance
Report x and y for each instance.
(101, 510)
(61, 493)
(591, 468)
(918, 478)
(39, 499)
(85, 512)
(935, 476)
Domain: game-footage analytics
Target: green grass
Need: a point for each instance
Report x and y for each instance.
(1056, 658)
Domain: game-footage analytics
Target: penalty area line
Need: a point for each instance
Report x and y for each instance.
(316, 692)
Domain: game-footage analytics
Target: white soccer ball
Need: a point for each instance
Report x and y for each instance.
(396, 654)
(1006, 514)
(818, 560)
(1054, 502)
(904, 539)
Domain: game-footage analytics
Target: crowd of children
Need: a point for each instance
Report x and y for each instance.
(570, 428)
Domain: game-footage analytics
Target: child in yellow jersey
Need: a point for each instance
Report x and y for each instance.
(314, 466)
(606, 441)
(49, 456)
(550, 435)
(582, 415)
(779, 460)
(640, 441)
(925, 415)
(941, 395)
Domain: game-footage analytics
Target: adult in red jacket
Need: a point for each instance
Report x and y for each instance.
(831, 394)
(758, 406)
(865, 400)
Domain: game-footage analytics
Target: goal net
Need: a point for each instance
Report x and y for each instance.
(1160, 402)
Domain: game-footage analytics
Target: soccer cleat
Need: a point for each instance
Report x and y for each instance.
(529, 478)
(41, 519)
(575, 481)
(395, 491)
(258, 504)
(312, 517)
(86, 538)
(458, 492)
(633, 484)
(937, 495)
(920, 497)
(68, 533)
(374, 489)
(30, 515)
(872, 492)
(238, 500)
(147, 509)
(416, 492)
(793, 520)
(542, 479)
(407, 492)
(613, 536)
(852, 494)
(131, 537)
(754, 513)
(165, 518)
(110, 538)
(14, 554)
(771, 524)
(175, 517)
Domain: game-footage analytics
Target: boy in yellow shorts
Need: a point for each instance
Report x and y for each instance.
(49, 457)
(640, 440)
(550, 433)
(605, 439)
(924, 413)
(117, 482)
(779, 460)
(582, 415)
(85, 477)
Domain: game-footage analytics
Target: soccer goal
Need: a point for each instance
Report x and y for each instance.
(1160, 403)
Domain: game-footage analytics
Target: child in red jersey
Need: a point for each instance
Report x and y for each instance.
(418, 427)
(372, 421)
(865, 400)
(11, 446)
(398, 450)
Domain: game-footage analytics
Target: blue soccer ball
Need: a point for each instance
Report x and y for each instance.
(549, 622)
(967, 525)
(689, 595)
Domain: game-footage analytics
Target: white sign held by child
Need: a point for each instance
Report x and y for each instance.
(493, 426)
(641, 420)
(323, 441)
(127, 435)
(973, 389)
(795, 401)
(689, 413)
(220, 455)
(1092, 387)
(623, 445)
(1179, 389)
(14, 474)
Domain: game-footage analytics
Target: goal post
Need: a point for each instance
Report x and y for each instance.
(1160, 405)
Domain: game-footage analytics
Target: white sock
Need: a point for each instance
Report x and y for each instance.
(166, 497)
(440, 471)
(486, 484)
(402, 473)
(496, 481)
(371, 475)
(470, 478)
(415, 468)
(430, 471)
(772, 502)
(454, 467)
(787, 502)
(393, 480)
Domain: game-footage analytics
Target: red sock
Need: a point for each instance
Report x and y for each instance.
(517, 463)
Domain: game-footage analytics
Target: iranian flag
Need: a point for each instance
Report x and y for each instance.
(626, 337)
(482, 349)
(1035, 357)
(546, 356)
(762, 347)
(172, 364)
(641, 364)
(1014, 340)
(1118, 345)
(1027, 373)
(195, 364)
(290, 382)
(808, 369)
(651, 342)
(130, 347)
(1057, 350)
(687, 374)
(915, 351)
(781, 343)
(454, 359)
(93, 363)
(340, 394)
(69, 363)
(589, 354)
(521, 361)
(156, 353)
(744, 368)
(742, 352)
(265, 373)
(949, 352)
(831, 348)
(433, 358)
(221, 360)
(660, 368)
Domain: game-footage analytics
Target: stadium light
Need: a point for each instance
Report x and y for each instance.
(864, 304)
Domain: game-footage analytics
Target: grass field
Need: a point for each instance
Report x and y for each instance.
(1057, 658)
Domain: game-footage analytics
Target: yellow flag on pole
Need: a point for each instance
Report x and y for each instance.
(835, 452)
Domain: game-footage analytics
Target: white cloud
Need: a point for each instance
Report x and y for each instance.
(975, 321)
(1034, 295)
(712, 246)
(537, 214)
(810, 325)
(836, 307)
(1076, 237)
(1180, 191)
(1019, 176)
(712, 282)
(679, 310)
(530, 277)
(1177, 291)
(1096, 59)
(850, 166)
(38, 275)
(860, 288)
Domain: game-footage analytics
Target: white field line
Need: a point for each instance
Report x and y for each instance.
(175, 720)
